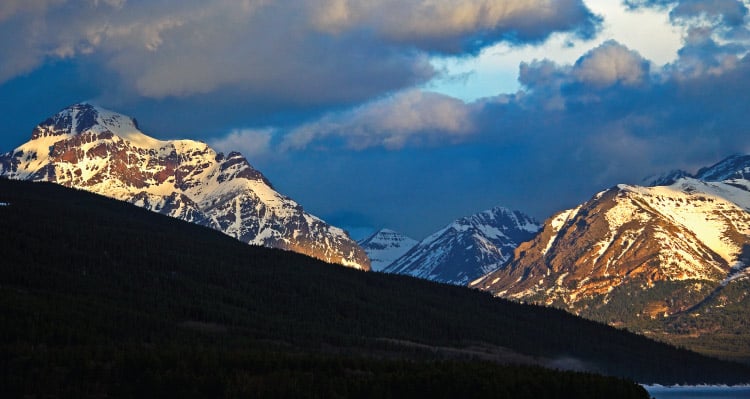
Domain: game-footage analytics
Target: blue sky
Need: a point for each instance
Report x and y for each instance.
(396, 114)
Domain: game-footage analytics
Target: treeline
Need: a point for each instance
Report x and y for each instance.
(80, 273)
(200, 372)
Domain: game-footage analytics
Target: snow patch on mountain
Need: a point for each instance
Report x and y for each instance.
(709, 210)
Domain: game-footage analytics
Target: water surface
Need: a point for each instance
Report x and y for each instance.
(698, 392)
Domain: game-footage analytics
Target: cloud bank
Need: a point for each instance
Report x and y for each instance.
(298, 52)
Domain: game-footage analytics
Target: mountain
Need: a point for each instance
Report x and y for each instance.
(468, 248)
(101, 298)
(665, 179)
(104, 152)
(735, 169)
(649, 259)
(384, 246)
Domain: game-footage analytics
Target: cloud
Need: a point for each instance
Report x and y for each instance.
(409, 118)
(702, 55)
(10, 8)
(314, 52)
(455, 27)
(611, 63)
(610, 117)
(252, 143)
(729, 12)
(727, 18)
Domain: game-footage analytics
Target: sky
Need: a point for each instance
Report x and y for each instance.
(405, 115)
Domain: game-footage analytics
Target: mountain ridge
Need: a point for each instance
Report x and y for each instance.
(467, 248)
(102, 151)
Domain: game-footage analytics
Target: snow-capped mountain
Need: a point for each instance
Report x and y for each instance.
(467, 248)
(90, 148)
(385, 246)
(630, 235)
(669, 261)
(734, 170)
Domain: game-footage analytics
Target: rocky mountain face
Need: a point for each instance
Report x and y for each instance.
(662, 260)
(385, 246)
(468, 248)
(93, 149)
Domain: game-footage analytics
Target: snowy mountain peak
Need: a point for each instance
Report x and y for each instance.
(629, 239)
(385, 246)
(79, 118)
(734, 167)
(468, 247)
(665, 179)
(91, 148)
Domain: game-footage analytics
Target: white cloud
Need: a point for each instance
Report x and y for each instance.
(496, 69)
(611, 63)
(252, 143)
(409, 118)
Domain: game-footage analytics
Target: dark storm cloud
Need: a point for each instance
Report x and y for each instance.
(458, 27)
(614, 111)
(314, 51)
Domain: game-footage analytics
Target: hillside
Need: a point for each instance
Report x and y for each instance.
(98, 295)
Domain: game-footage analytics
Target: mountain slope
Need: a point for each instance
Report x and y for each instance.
(384, 246)
(643, 257)
(138, 299)
(467, 248)
(625, 234)
(104, 152)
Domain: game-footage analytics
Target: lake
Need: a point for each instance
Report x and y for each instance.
(698, 392)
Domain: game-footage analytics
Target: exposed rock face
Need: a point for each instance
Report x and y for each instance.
(104, 152)
(467, 248)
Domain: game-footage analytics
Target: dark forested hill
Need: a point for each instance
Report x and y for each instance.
(98, 297)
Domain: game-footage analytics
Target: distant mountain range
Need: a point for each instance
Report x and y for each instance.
(468, 248)
(104, 152)
(668, 259)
